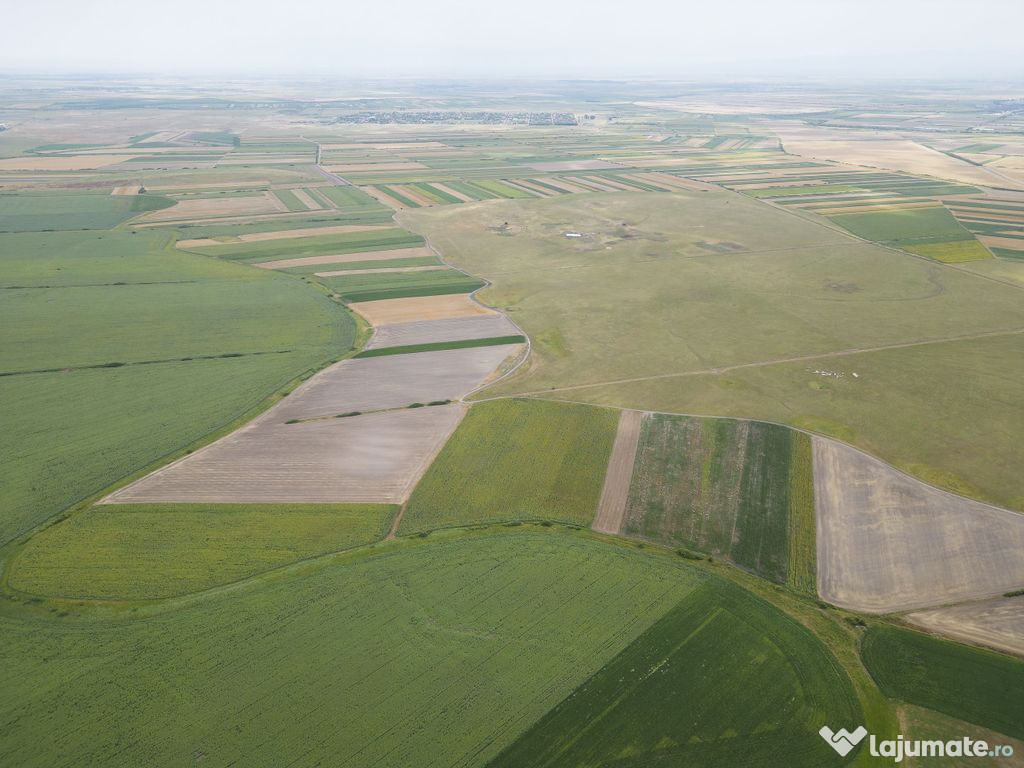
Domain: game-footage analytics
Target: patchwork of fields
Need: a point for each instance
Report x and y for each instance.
(361, 444)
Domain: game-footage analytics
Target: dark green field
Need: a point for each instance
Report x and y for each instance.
(515, 460)
(718, 486)
(918, 225)
(436, 345)
(708, 685)
(388, 285)
(971, 684)
(350, 242)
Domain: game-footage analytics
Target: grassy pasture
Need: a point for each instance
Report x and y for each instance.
(148, 551)
(516, 460)
(402, 658)
(967, 683)
(722, 679)
(716, 485)
(37, 213)
(794, 289)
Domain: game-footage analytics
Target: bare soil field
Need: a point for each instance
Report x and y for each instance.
(382, 270)
(392, 381)
(573, 165)
(372, 167)
(1010, 243)
(346, 258)
(427, 331)
(127, 189)
(384, 198)
(373, 458)
(391, 311)
(62, 163)
(210, 208)
(887, 542)
(997, 623)
(611, 509)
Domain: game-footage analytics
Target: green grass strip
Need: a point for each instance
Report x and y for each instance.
(433, 346)
(404, 293)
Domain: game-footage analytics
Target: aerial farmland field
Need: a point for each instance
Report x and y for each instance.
(584, 422)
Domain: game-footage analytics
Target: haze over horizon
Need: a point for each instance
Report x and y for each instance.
(457, 39)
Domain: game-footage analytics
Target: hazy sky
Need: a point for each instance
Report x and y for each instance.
(550, 38)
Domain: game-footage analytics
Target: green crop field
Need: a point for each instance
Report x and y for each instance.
(967, 683)
(909, 226)
(291, 202)
(147, 551)
(145, 350)
(36, 213)
(402, 658)
(952, 253)
(516, 460)
(350, 242)
(803, 553)
(418, 261)
(437, 345)
(718, 486)
(394, 284)
(708, 685)
(649, 311)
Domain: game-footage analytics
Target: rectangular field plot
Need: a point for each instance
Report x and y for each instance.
(888, 542)
(418, 308)
(430, 331)
(397, 284)
(373, 458)
(715, 485)
(345, 258)
(514, 460)
(997, 623)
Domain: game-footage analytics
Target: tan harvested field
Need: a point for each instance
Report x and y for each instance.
(384, 198)
(573, 165)
(891, 154)
(657, 177)
(997, 623)
(232, 185)
(392, 381)
(565, 184)
(346, 258)
(454, 193)
(373, 458)
(306, 200)
(281, 234)
(375, 167)
(391, 311)
(888, 542)
(396, 146)
(427, 331)
(340, 272)
(127, 189)
(611, 509)
(61, 163)
(1011, 243)
(211, 208)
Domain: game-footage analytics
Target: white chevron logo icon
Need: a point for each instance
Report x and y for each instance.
(843, 741)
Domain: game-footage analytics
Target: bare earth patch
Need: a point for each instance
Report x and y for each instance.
(427, 331)
(996, 623)
(888, 542)
(345, 258)
(391, 311)
(611, 509)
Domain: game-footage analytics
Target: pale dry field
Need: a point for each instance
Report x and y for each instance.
(371, 167)
(343, 272)
(281, 234)
(62, 163)
(126, 189)
(211, 208)
(888, 542)
(611, 509)
(1013, 244)
(346, 258)
(304, 198)
(373, 458)
(427, 331)
(391, 381)
(384, 198)
(454, 193)
(997, 623)
(573, 165)
(409, 310)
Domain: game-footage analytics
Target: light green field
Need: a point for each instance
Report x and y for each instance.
(516, 460)
(148, 551)
(952, 253)
(123, 298)
(428, 654)
(617, 316)
(34, 213)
